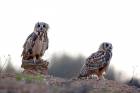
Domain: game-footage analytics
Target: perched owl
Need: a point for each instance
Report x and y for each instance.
(36, 43)
(98, 62)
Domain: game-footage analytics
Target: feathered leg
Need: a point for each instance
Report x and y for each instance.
(34, 60)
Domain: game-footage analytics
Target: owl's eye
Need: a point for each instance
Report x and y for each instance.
(44, 25)
(38, 25)
(107, 45)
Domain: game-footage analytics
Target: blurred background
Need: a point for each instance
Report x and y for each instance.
(77, 28)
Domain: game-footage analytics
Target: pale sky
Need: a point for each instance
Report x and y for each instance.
(76, 27)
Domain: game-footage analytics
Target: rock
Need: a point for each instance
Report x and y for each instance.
(39, 67)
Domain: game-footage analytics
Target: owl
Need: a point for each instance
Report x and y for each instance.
(36, 43)
(98, 62)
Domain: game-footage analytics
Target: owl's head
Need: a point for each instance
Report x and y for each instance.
(41, 27)
(106, 46)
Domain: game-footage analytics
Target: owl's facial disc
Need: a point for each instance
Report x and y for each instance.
(106, 46)
(41, 27)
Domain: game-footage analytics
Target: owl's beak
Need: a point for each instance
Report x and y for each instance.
(41, 29)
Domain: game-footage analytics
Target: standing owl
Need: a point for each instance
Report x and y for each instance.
(98, 62)
(36, 43)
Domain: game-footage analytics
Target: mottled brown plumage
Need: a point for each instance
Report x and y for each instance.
(37, 42)
(98, 62)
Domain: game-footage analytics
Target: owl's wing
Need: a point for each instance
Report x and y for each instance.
(29, 43)
(32, 38)
(96, 60)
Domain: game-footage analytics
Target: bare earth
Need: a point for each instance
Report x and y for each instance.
(10, 84)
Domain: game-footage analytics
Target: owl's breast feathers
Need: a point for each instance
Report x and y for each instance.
(35, 44)
(99, 59)
(46, 41)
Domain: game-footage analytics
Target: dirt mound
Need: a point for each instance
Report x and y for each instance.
(48, 84)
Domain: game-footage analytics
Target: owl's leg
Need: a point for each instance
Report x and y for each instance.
(100, 81)
(34, 60)
(101, 78)
(106, 69)
(100, 75)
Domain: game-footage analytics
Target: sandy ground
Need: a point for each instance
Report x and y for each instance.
(10, 84)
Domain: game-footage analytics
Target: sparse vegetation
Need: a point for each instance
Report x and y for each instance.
(30, 78)
(67, 67)
(7, 66)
